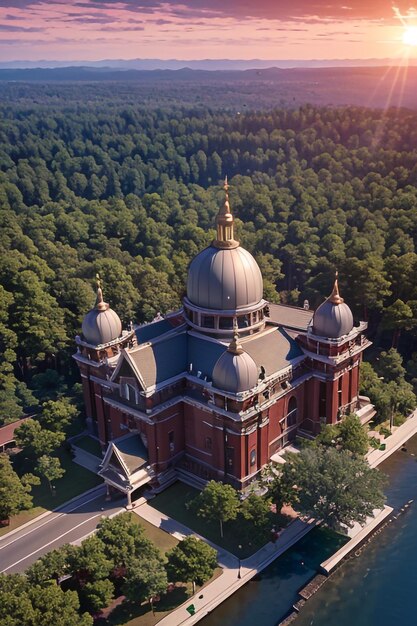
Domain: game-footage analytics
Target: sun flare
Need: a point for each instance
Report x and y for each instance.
(410, 36)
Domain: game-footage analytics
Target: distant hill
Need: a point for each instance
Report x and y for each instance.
(202, 64)
(369, 86)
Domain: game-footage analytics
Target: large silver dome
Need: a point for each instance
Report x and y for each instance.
(224, 279)
(333, 318)
(235, 370)
(101, 324)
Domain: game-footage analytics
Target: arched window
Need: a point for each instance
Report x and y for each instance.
(292, 412)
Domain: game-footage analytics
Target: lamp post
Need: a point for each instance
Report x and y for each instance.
(238, 573)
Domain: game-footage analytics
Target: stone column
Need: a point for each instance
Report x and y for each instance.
(129, 500)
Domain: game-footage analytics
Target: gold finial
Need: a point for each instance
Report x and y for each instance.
(100, 304)
(224, 223)
(335, 297)
(234, 346)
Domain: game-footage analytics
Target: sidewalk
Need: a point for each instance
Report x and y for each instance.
(86, 459)
(225, 585)
(394, 441)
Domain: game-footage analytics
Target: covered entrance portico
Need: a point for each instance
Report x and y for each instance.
(125, 466)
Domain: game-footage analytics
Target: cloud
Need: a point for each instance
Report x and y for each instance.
(9, 28)
(121, 29)
(281, 10)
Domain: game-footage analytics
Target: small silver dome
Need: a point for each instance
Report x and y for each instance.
(101, 324)
(333, 318)
(224, 279)
(235, 370)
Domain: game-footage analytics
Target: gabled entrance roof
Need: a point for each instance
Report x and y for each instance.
(125, 464)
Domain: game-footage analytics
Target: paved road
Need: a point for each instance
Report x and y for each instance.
(68, 525)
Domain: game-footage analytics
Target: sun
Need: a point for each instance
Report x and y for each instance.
(410, 36)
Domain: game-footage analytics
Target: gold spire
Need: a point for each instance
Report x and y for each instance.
(234, 346)
(335, 296)
(224, 223)
(100, 304)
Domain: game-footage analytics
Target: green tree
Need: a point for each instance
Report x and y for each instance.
(333, 486)
(390, 365)
(349, 435)
(97, 595)
(52, 565)
(14, 491)
(57, 415)
(49, 467)
(145, 579)
(37, 441)
(34, 605)
(217, 502)
(192, 560)
(397, 317)
(54, 606)
(124, 540)
(278, 491)
(256, 509)
(89, 562)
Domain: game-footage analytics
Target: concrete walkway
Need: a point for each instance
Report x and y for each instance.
(86, 459)
(395, 441)
(225, 585)
(357, 534)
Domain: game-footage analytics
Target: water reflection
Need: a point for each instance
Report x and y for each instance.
(378, 587)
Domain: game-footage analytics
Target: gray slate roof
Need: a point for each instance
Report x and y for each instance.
(273, 350)
(161, 360)
(290, 316)
(132, 452)
(184, 352)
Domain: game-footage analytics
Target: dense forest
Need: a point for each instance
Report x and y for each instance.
(131, 191)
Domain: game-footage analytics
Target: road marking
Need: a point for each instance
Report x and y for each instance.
(51, 519)
(51, 542)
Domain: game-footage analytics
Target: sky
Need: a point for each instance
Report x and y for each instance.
(206, 29)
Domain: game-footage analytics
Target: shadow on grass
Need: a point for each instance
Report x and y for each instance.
(128, 611)
(241, 537)
(75, 481)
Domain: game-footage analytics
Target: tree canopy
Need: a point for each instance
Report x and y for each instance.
(332, 485)
(192, 560)
(217, 502)
(131, 190)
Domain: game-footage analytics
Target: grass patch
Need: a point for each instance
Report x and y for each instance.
(75, 481)
(173, 502)
(20, 519)
(130, 614)
(160, 538)
(89, 444)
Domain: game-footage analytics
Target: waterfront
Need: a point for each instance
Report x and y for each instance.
(375, 588)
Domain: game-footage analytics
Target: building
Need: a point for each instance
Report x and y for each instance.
(219, 387)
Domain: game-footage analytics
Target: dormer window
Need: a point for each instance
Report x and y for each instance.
(130, 393)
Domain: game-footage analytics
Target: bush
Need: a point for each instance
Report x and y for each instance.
(385, 431)
(399, 419)
(374, 443)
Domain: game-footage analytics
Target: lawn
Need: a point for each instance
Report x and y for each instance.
(173, 502)
(159, 537)
(89, 444)
(75, 481)
(129, 614)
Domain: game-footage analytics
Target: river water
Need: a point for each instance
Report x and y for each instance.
(376, 588)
